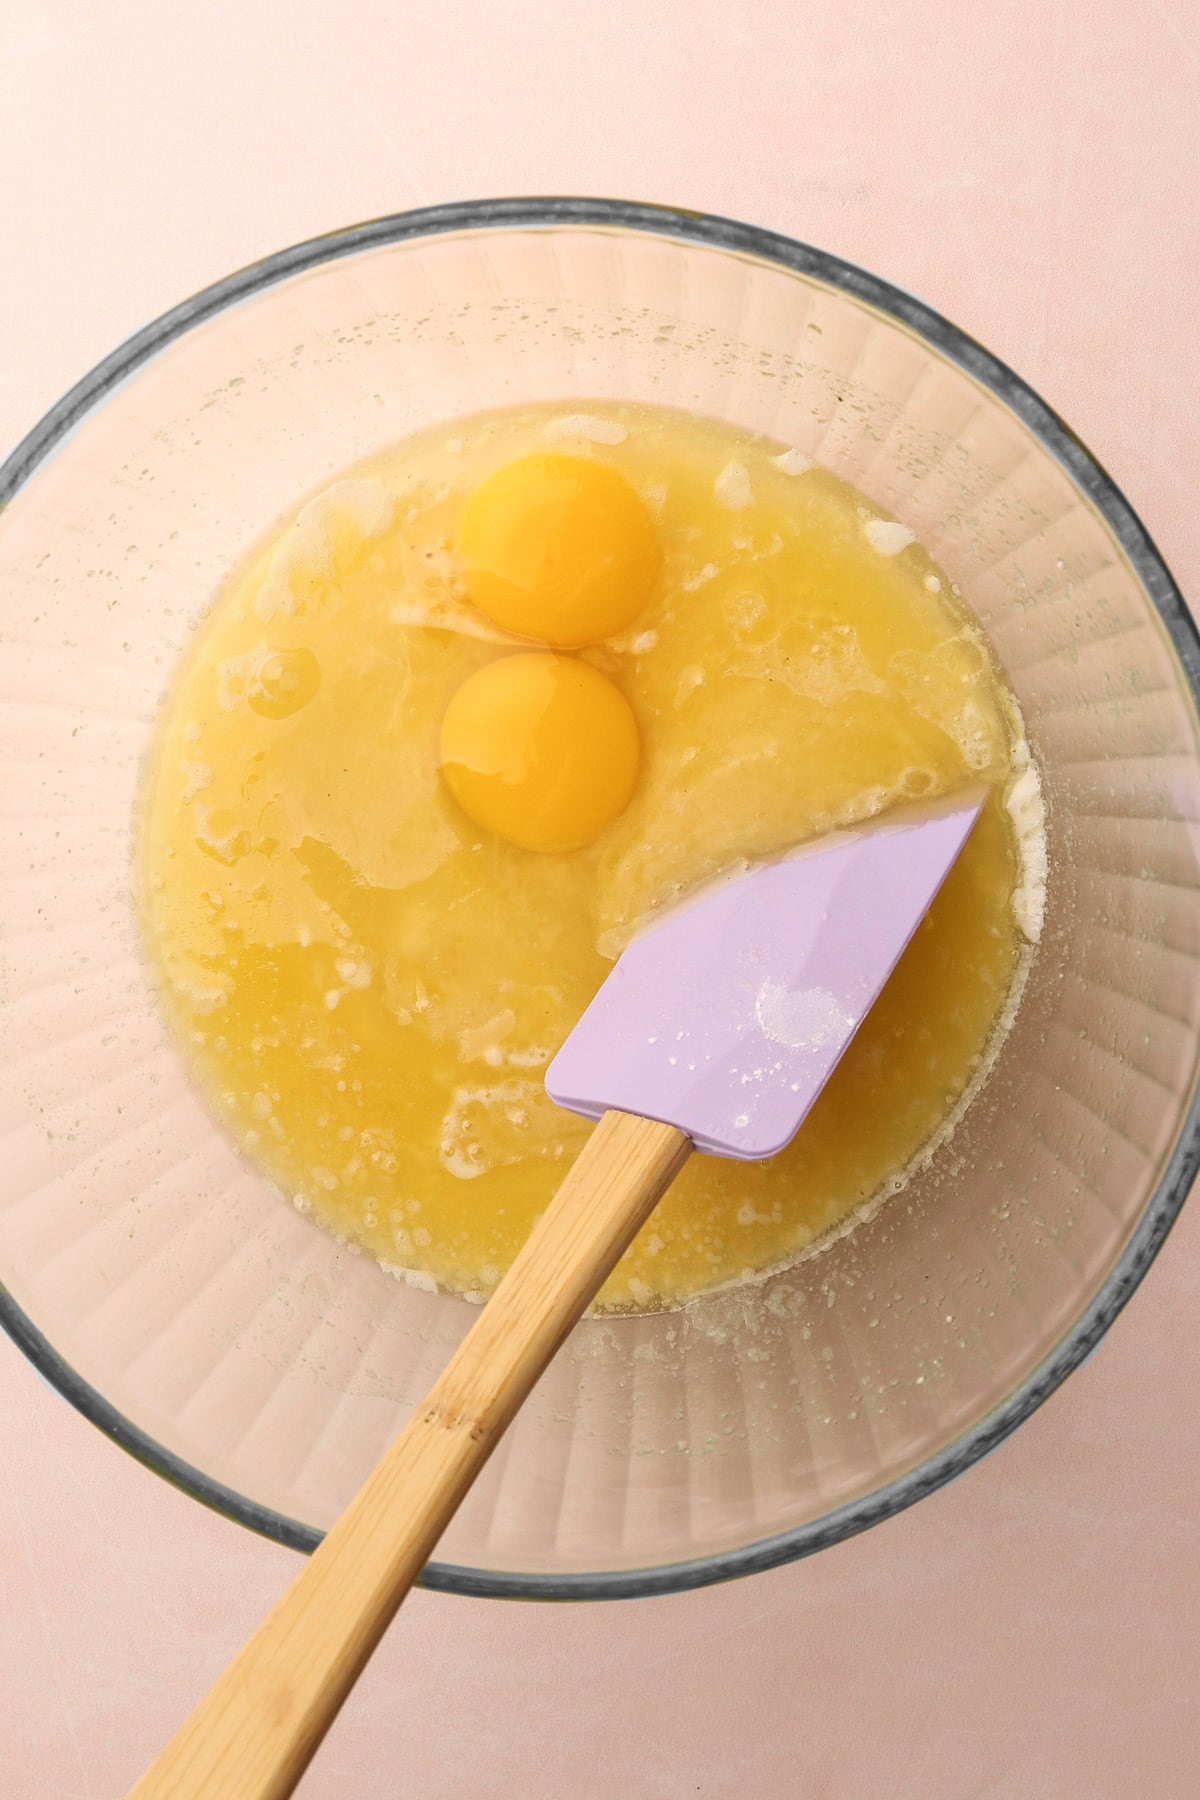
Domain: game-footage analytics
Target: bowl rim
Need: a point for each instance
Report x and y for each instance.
(710, 231)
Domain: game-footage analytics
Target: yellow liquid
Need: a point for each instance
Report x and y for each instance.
(368, 986)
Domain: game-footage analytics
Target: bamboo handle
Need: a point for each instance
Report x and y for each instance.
(252, 1736)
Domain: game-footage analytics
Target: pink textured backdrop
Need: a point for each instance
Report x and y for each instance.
(1033, 1632)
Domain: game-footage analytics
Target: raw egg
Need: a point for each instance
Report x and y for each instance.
(541, 749)
(558, 548)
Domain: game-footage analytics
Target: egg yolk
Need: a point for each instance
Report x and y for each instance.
(558, 548)
(541, 749)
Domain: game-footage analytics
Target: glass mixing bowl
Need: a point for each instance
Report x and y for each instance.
(153, 1276)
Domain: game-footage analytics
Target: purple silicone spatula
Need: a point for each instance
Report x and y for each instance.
(715, 1031)
(727, 1017)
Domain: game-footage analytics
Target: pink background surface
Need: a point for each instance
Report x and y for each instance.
(1033, 1632)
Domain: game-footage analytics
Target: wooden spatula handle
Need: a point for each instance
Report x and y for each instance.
(252, 1736)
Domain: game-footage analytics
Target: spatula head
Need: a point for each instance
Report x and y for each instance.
(727, 1016)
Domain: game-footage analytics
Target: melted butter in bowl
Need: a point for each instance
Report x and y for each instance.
(368, 964)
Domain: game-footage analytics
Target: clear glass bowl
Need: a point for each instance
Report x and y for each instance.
(232, 1346)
